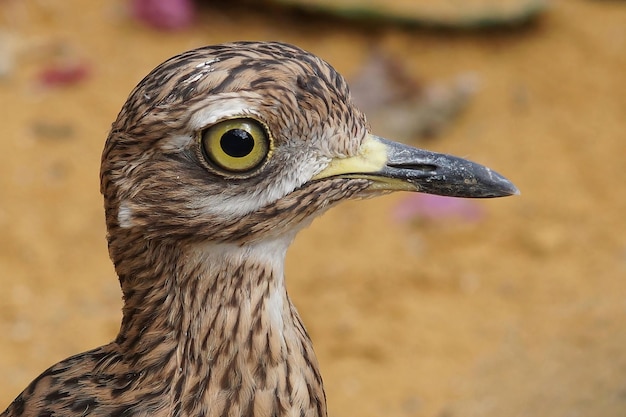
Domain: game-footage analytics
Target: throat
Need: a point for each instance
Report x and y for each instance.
(218, 326)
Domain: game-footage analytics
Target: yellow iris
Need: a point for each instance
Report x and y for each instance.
(236, 145)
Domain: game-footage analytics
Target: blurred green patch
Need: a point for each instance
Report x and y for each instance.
(441, 13)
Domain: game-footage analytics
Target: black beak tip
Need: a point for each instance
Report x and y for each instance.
(499, 186)
(465, 179)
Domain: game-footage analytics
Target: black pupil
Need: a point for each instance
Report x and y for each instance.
(237, 143)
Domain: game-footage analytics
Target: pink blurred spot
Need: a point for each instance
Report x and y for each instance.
(63, 74)
(164, 14)
(436, 208)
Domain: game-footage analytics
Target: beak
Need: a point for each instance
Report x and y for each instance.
(392, 166)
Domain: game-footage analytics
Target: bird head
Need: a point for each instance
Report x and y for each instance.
(246, 141)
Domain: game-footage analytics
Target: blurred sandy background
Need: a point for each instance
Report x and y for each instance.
(522, 313)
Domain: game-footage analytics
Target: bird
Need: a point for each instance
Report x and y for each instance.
(219, 156)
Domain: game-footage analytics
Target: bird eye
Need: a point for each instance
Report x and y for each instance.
(237, 145)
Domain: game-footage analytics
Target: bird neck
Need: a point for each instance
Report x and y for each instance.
(216, 322)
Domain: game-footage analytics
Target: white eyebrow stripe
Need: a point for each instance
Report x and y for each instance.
(223, 107)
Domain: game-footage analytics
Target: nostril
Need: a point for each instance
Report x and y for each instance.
(415, 167)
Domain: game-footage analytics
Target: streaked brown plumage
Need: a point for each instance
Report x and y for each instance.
(198, 233)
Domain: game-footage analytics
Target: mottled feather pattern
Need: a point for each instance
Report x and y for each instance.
(208, 328)
(277, 73)
(166, 361)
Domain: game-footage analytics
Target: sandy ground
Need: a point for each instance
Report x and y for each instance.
(521, 314)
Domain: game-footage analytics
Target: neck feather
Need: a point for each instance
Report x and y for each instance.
(216, 323)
